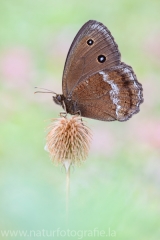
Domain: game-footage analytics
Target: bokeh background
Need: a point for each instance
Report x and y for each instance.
(118, 187)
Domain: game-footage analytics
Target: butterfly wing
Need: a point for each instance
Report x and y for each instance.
(109, 95)
(82, 58)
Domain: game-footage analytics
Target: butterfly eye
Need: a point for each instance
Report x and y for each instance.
(90, 42)
(59, 98)
(101, 58)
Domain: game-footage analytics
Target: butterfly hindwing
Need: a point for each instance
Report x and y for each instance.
(109, 95)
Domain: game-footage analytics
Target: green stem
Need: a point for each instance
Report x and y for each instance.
(67, 164)
(67, 192)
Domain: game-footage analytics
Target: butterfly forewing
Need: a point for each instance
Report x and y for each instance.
(92, 50)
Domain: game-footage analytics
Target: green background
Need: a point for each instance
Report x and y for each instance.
(118, 187)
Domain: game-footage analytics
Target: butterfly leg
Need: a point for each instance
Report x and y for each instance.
(63, 114)
(78, 113)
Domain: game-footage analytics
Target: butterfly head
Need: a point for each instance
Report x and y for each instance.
(58, 99)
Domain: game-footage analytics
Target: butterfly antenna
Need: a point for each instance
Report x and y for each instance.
(46, 91)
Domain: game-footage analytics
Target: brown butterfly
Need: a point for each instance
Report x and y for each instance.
(95, 81)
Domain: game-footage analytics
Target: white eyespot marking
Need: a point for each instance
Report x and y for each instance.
(102, 29)
(113, 92)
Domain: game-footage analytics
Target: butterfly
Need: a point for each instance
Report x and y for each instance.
(95, 82)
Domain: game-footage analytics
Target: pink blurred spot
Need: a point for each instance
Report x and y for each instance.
(58, 45)
(148, 133)
(16, 65)
(103, 142)
(152, 45)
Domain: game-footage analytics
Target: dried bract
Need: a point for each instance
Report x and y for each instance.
(68, 139)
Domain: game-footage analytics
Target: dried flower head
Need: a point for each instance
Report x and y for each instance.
(68, 139)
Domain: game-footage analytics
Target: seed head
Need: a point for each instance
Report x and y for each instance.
(68, 139)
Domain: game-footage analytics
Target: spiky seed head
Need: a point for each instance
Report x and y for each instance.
(68, 139)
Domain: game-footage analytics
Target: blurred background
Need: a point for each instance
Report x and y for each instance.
(118, 187)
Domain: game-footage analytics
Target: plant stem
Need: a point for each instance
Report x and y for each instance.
(67, 192)
(67, 164)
